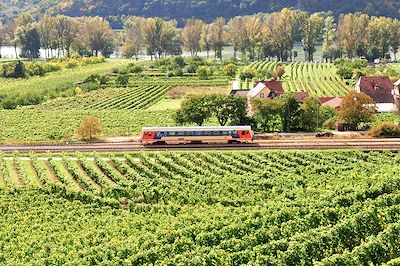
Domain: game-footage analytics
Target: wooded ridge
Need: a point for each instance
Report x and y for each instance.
(206, 10)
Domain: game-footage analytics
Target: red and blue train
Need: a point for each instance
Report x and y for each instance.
(183, 135)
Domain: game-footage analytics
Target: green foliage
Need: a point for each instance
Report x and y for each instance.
(204, 72)
(247, 73)
(230, 70)
(14, 70)
(122, 79)
(386, 129)
(219, 208)
(197, 109)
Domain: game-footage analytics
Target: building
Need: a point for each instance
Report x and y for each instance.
(334, 102)
(266, 89)
(381, 90)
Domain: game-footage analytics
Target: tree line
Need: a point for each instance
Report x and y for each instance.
(255, 37)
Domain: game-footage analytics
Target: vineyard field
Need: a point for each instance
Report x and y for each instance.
(23, 126)
(35, 90)
(130, 98)
(202, 208)
(318, 79)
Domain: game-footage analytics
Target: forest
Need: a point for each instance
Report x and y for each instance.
(206, 10)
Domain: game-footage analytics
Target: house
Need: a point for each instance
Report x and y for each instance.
(396, 93)
(334, 102)
(381, 90)
(266, 89)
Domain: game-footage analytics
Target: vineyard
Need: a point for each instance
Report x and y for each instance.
(205, 208)
(24, 126)
(130, 98)
(318, 79)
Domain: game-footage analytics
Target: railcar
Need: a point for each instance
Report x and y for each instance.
(184, 135)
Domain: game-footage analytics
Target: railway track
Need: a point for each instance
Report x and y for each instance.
(287, 144)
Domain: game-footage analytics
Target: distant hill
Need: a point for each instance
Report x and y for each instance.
(183, 9)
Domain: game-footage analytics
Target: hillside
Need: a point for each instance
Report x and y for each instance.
(207, 9)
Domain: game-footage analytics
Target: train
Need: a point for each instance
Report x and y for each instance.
(196, 135)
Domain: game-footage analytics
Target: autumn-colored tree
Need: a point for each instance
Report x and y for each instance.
(237, 36)
(2, 36)
(160, 36)
(67, 29)
(133, 37)
(329, 35)
(205, 41)
(352, 33)
(254, 35)
(90, 128)
(191, 36)
(218, 36)
(356, 108)
(395, 37)
(11, 32)
(96, 35)
(310, 30)
(282, 32)
(47, 29)
(279, 71)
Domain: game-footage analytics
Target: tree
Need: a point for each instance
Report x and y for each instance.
(96, 34)
(2, 36)
(196, 109)
(90, 128)
(290, 112)
(229, 107)
(395, 37)
(133, 37)
(67, 30)
(218, 36)
(205, 41)
(329, 34)
(352, 33)
(48, 35)
(29, 40)
(11, 32)
(310, 30)
(310, 118)
(281, 27)
(238, 36)
(191, 36)
(356, 108)
(279, 71)
(253, 29)
(267, 114)
(230, 70)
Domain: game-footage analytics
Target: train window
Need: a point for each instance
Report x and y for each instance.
(181, 133)
(158, 134)
(207, 133)
(225, 133)
(234, 132)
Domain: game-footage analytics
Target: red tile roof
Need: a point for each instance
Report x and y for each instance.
(335, 103)
(378, 88)
(325, 99)
(273, 85)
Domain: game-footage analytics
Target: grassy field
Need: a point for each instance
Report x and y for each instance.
(202, 208)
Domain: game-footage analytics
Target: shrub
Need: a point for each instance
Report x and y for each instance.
(35, 69)
(14, 70)
(135, 69)
(385, 129)
(230, 70)
(247, 73)
(191, 68)
(90, 128)
(122, 79)
(204, 72)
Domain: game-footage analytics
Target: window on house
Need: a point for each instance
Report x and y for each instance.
(261, 95)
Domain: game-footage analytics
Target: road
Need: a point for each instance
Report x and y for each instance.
(284, 144)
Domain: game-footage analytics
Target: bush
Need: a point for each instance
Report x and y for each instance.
(122, 79)
(135, 69)
(230, 70)
(35, 69)
(204, 72)
(191, 68)
(14, 70)
(90, 128)
(385, 129)
(247, 73)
